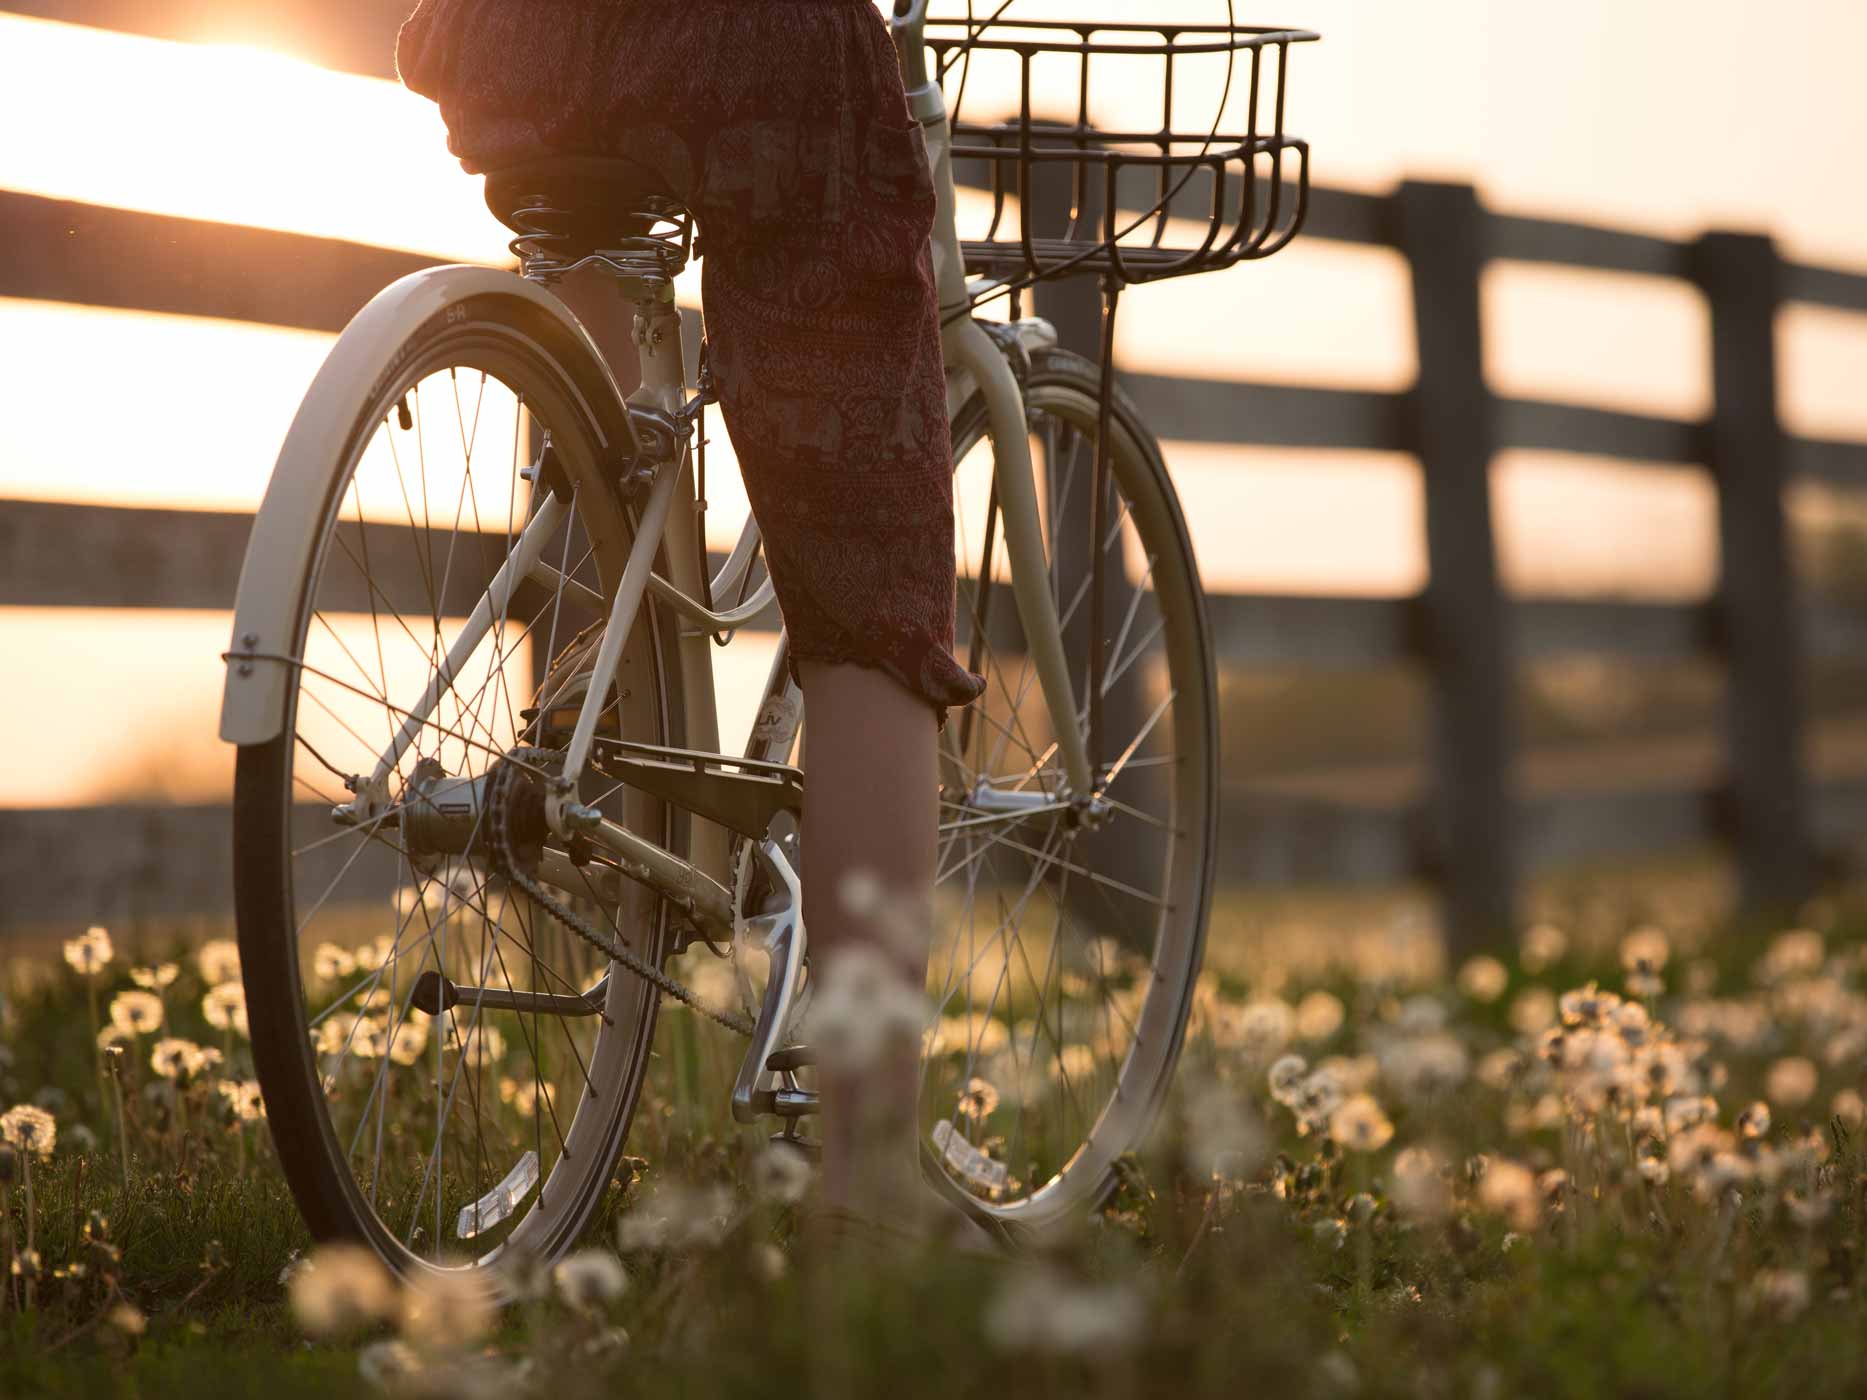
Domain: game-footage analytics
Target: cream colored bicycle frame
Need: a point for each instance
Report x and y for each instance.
(259, 678)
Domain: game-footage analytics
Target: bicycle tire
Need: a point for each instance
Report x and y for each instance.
(553, 374)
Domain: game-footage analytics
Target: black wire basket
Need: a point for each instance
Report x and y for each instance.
(1071, 195)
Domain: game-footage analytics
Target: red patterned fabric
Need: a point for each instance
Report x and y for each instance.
(783, 126)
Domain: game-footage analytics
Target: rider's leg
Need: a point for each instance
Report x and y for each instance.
(872, 812)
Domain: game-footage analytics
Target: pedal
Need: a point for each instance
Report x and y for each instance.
(794, 1058)
(741, 794)
(785, 1103)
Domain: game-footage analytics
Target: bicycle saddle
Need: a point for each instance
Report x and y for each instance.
(591, 199)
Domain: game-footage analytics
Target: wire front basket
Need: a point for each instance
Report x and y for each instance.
(1077, 183)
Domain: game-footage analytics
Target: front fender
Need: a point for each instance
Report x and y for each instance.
(310, 469)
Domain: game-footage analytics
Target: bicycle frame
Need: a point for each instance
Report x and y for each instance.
(697, 883)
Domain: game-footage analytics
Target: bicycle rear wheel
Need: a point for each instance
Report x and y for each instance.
(449, 1123)
(1065, 950)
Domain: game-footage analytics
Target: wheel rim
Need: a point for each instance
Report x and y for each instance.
(1062, 957)
(458, 1136)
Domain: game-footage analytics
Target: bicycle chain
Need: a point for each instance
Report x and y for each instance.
(499, 814)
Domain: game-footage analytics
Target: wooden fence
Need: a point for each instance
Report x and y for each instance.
(1471, 835)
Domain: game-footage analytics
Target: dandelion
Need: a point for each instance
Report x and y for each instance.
(1319, 1015)
(979, 1102)
(409, 1040)
(1222, 1139)
(243, 1098)
(1796, 952)
(1849, 1108)
(219, 961)
(1542, 945)
(1533, 1011)
(388, 1365)
(1286, 1078)
(1318, 1098)
(30, 1129)
(1783, 1293)
(1041, 1309)
(1361, 1125)
(589, 1279)
(447, 1307)
(863, 1007)
(1420, 1189)
(1645, 950)
(340, 1289)
(1264, 1028)
(90, 952)
(677, 1218)
(1509, 1189)
(1754, 1122)
(128, 1319)
(156, 978)
(331, 963)
(224, 1006)
(1499, 1069)
(1587, 1006)
(179, 1059)
(1484, 979)
(781, 1174)
(479, 1045)
(1791, 1082)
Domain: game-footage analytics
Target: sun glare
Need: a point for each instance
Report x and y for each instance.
(233, 133)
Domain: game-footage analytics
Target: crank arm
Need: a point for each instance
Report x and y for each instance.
(435, 994)
(756, 1090)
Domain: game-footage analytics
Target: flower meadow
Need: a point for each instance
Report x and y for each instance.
(1620, 1154)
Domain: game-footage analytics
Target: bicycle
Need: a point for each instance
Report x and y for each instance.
(480, 800)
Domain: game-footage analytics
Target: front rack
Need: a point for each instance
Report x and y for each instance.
(1071, 196)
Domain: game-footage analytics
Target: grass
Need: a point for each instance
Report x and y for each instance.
(1528, 1254)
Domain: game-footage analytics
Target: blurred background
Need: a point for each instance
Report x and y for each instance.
(1527, 484)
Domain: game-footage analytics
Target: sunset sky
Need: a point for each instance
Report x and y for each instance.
(1662, 116)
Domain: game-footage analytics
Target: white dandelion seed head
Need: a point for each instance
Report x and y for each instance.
(864, 1006)
(30, 1129)
(219, 961)
(1040, 1309)
(782, 1174)
(90, 952)
(339, 1289)
(446, 1308)
(136, 1013)
(590, 1279)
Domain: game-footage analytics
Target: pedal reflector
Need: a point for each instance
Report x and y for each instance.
(967, 1160)
(499, 1203)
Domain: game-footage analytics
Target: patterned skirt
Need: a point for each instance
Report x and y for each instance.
(782, 125)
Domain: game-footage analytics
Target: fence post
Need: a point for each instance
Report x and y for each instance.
(1468, 650)
(1767, 798)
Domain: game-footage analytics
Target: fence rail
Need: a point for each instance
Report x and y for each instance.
(1473, 832)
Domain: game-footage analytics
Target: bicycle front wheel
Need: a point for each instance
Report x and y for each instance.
(1066, 944)
(449, 1071)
